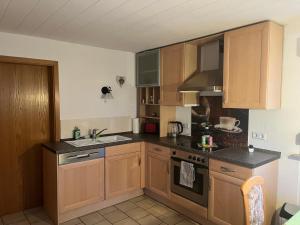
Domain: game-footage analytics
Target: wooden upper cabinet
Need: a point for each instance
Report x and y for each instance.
(80, 184)
(177, 63)
(253, 66)
(122, 170)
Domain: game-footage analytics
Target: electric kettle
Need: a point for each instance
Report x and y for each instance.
(174, 128)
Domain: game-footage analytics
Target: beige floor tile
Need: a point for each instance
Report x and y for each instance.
(23, 222)
(43, 223)
(14, 218)
(104, 222)
(159, 210)
(75, 221)
(127, 221)
(149, 220)
(115, 216)
(33, 210)
(187, 222)
(137, 213)
(173, 219)
(125, 206)
(107, 210)
(92, 218)
(138, 199)
(146, 204)
(37, 216)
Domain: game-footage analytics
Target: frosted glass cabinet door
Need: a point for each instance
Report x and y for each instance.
(147, 68)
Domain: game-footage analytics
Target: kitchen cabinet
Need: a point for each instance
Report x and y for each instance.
(80, 184)
(147, 68)
(253, 66)
(122, 169)
(225, 200)
(158, 170)
(177, 62)
(225, 205)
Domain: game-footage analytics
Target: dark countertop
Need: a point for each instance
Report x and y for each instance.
(239, 156)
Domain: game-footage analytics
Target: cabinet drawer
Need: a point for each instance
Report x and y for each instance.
(230, 169)
(122, 149)
(158, 149)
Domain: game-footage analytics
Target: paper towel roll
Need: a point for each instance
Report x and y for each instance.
(136, 125)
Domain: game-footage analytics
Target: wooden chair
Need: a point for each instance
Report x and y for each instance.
(253, 184)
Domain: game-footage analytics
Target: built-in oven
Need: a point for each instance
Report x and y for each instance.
(198, 193)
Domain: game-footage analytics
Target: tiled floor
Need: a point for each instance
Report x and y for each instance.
(140, 210)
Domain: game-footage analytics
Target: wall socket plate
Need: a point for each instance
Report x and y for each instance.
(259, 136)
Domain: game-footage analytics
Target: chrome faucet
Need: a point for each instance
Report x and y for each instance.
(94, 133)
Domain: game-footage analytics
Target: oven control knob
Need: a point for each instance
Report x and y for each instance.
(194, 157)
(203, 160)
(174, 152)
(190, 157)
(198, 159)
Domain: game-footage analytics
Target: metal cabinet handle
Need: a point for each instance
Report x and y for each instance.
(83, 155)
(226, 169)
(78, 156)
(168, 168)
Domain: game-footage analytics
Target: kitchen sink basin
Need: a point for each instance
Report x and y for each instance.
(100, 140)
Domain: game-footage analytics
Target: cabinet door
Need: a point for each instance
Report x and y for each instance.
(122, 174)
(225, 200)
(80, 184)
(245, 67)
(158, 174)
(172, 58)
(147, 68)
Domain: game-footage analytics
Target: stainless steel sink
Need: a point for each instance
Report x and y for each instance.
(100, 140)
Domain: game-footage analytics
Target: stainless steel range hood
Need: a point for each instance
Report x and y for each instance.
(208, 78)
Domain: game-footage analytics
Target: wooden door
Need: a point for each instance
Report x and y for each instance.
(158, 174)
(245, 67)
(80, 184)
(172, 64)
(225, 205)
(122, 174)
(24, 125)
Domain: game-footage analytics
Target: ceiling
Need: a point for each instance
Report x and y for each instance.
(136, 25)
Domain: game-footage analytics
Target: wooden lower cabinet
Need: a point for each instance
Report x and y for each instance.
(158, 170)
(225, 200)
(122, 174)
(80, 184)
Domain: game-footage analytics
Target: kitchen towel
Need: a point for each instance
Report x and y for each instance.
(136, 125)
(187, 174)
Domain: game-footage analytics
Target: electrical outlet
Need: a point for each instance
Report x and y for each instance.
(259, 136)
(254, 135)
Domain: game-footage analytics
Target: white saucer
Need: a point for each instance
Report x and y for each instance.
(235, 129)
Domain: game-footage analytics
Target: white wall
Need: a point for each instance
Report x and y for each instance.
(183, 114)
(282, 126)
(83, 70)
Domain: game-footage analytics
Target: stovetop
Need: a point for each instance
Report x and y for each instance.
(196, 146)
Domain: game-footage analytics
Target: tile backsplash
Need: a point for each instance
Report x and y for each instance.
(209, 113)
(113, 124)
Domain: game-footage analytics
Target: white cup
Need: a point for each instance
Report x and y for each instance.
(229, 122)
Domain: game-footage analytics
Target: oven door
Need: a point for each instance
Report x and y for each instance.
(199, 192)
